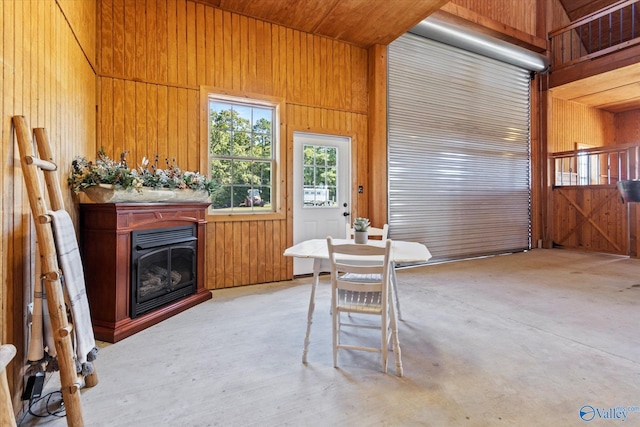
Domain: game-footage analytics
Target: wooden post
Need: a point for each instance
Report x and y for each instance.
(375, 191)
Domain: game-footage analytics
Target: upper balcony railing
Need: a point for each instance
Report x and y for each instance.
(603, 32)
(595, 166)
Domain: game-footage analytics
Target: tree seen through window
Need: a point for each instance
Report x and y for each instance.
(320, 175)
(241, 155)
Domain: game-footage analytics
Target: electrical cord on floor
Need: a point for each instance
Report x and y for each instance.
(50, 409)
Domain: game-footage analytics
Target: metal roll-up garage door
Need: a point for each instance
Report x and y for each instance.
(459, 150)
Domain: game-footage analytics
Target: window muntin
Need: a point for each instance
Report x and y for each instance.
(320, 171)
(242, 147)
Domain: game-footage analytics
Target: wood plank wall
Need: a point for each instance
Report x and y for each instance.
(559, 17)
(46, 76)
(568, 47)
(591, 218)
(153, 57)
(571, 122)
(628, 127)
(517, 14)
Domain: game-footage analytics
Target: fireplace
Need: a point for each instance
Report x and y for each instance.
(143, 263)
(163, 267)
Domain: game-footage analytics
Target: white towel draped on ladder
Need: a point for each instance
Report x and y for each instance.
(74, 288)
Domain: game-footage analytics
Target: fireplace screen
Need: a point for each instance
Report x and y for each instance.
(163, 267)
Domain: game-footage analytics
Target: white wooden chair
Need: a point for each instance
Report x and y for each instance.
(382, 233)
(372, 296)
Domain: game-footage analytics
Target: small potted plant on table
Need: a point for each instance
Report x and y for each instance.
(360, 228)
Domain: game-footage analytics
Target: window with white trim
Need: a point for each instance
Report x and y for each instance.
(242, 150)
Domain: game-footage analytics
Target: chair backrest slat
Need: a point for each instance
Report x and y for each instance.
(367, 259)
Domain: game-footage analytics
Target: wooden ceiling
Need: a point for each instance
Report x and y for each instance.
(577, 9)
(616, 91)
(359, 22)
(368, 22)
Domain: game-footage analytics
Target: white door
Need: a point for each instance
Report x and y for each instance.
(321, 190)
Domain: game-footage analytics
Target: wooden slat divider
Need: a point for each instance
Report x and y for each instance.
(209, 34)
(262, 46)
(161, 39)
(140, 121)
(181, 139)
(150, 40)
(129, 47)
(181, 41)
(105, 37)
(163, 120)
(252, 78)
(193, 135)
(191, 44)
(129, 142)
(117, 145)
(151, 105)
(200, 42)
(172, 127)
(141, 35)
(229, 260)
(251, 254)
(172, 42)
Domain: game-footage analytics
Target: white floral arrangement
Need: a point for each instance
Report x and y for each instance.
(105, 170)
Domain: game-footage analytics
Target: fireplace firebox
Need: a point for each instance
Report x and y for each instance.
(143, 263)
(163, 267)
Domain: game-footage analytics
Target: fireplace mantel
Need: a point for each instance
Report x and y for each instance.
(105, 236)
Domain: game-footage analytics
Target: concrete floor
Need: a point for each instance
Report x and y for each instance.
(543, 338)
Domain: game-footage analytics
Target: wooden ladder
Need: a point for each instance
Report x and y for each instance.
(70, 380)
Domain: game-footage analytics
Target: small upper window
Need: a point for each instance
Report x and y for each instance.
(242, 155)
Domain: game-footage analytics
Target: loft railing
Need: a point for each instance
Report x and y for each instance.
(608, 30)
(595, 166)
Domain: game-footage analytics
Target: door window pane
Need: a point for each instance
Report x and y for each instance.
(319, 176)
